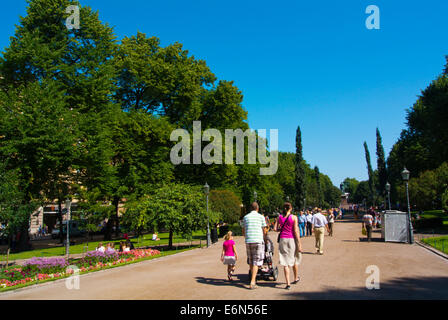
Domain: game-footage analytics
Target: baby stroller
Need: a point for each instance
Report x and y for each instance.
(267, 271)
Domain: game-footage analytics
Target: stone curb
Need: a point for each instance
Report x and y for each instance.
(433, 250)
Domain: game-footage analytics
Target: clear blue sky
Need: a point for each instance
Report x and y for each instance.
(307, 63)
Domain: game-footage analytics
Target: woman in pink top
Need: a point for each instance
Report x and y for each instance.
(229, 254)
(289, 246)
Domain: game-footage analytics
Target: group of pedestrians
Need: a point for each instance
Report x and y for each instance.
(291, 228)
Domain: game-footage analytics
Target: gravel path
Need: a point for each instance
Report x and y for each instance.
(406, 272)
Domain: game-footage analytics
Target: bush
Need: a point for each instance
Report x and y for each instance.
(236, 229)
(428, 223)
(227, 203)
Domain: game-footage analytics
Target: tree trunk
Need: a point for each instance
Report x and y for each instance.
(170, 244)
(108, 231)
(23, 243)
(117, 222)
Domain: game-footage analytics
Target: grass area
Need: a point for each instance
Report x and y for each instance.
(434, 214)
(439, 243)
(162, 254)
(143, 241)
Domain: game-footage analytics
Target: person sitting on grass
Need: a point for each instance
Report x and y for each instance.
(130, 245)
(110, 248)
(155, 237)
(100, 247)
(123, 247)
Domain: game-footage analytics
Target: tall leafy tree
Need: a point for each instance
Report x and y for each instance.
(161, 80)
(299, 172)
(39, 138)
(79, 61)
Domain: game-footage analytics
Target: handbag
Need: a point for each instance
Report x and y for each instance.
(278, 237)
(364, 231)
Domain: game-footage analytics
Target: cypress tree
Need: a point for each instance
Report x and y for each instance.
(381, 164)
(299, 172)
(370, 172)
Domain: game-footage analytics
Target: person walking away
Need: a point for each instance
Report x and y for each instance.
(289, 246)
(302, 223)
(319, 224)
(367, 221)
(309, 223)
(253, 230)
(229, 254)
(330, 220)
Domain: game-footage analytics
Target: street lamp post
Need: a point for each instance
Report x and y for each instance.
(405, 175)
(388, 193)
(255, 196)
(304, 204)
(68, 204)
(206, 191)
(287, 198)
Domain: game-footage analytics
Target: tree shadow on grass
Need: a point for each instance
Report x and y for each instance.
(427, 288)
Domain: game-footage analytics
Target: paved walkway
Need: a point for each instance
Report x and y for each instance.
(406, 272)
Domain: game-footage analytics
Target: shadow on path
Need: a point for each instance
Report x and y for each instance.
(365, 240)
(433, 288)
(239, 280)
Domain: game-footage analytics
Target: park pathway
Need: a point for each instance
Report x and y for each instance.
(406, 272)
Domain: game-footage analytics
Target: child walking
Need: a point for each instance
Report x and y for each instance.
(229, 254)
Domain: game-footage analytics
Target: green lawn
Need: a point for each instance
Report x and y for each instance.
(80, 248)
(439, 243)
(434, 214)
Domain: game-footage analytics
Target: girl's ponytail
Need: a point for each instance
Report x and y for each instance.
(228, 235)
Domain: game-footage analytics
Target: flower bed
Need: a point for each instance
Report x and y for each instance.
(42, 269)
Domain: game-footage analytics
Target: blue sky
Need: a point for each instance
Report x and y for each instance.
(307, 63)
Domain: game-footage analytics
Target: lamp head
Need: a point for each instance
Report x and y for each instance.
(405, 174)
(206, 188)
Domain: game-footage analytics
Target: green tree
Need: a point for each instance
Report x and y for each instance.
(14, 207)
(160, 80)
(227, 203)
(381, 164)
(371, 197)
(39, 138)
(177, 208)
(79, 63)
(362, 192)
(350, 185)
(319, 187)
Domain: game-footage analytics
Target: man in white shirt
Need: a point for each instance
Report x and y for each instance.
(254, 229)
(319, 223)
(309, 224)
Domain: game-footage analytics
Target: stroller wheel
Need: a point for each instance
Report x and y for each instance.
(275, 274)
